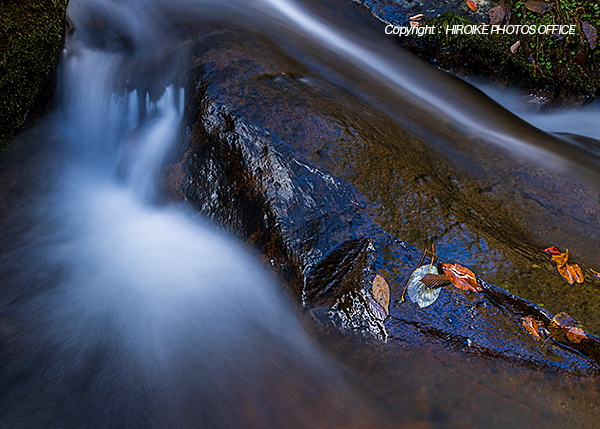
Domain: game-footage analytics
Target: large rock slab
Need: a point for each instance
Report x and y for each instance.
(265, 135)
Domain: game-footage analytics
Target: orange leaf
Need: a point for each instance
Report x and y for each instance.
(531, 325)
(461, 277)
(560, 324)
(561, 258)
(472, 5)
(596, 273)
(575, 335)
(571, 273)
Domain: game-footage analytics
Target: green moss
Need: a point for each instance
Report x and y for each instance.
(31, 35)
(541, 62)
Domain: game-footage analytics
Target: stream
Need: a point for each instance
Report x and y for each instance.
(122, 308)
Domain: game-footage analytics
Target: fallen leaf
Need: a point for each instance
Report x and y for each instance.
(596, 273)
(472, 5)
(418, 292)
(515, 47)
(461, 277)
(570, 272)
(496, 15)
(435, 280)
(561, 258)
(575, 335)
(538, 6)
(375, 309)
(381, 292)
(590, 33)
(560, 324)
(415, 24)
(553, 250)
(416, 17)
(531, 325)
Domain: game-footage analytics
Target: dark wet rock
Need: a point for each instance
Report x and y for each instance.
(265, 136)
(31, 38)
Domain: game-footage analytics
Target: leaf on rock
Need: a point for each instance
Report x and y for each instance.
(553, 250)
(417, 17)
(590, 33)
(461, 277)
(496, 15)
(435, 280)
(531, 325)
(515, 47)
(560, 324)
(596, 273)
(538, 6)
(575, 335)
(418, 292)
(571, 273)
(561, 258)
(375, 309)
(381, 292)
(472, 5)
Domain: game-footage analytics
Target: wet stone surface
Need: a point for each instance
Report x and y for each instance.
(258, 163)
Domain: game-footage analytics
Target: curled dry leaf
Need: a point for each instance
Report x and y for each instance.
(590, 33)
(538, 6)
(561, 258)
(381, 292)
(575, 335)
(472, 5)
(415, 24)
(531, 325)
(461, 277)
(496, 15)
(596, 273)
(417, 17)
(515, 47)
(418, 292)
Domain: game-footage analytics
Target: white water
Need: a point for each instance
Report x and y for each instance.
(135, 314)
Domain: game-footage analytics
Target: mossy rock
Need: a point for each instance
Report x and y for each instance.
(562, 68)
(31, 36)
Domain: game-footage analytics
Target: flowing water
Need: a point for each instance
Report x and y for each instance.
(118, 310)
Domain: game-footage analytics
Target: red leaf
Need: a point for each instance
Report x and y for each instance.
(461, 277)
(472, 5)
(553, 250)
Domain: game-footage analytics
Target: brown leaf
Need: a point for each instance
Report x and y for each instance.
(416, 17)
(461, 277)
(575, 335)
(560, 324)
(515, 47)
(531, 325)
(381, 292)
(435, 280)
(496, 15)
(538, 6)
(472, 5)
(590, 33)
